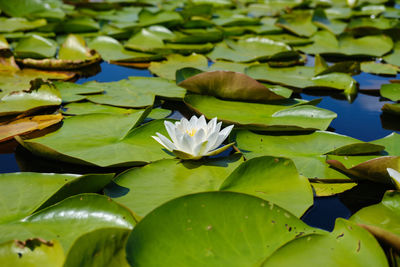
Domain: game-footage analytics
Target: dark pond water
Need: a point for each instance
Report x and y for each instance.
(361, 119)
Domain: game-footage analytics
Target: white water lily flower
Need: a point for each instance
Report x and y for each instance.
(395, 176)
(195, 138)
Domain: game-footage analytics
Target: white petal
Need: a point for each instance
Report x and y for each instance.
(201, 123)
(199, 137)
(211, 126)
(200, 148)
(166, 145)
(186, 144)
(212, 139)
(222, 136)
(193, 121)
(219, 150)
(184, 124)
(395, 175)
(171, 129)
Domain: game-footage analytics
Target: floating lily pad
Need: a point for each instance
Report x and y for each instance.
(202, 226)
(308, 151)
(204, 223)
(373, 169)
(230, 85)
(347, 244)
(272, 179)
(90, 108)
(382, 219)
(347, 45)
(73, 92)
(167, 69)
(391, 108)
(288, 115)
(35, 46)
(80, 24)
(252, 49)
(379, 68)
(303, 77)
(326, 189)
(391, 144)
(70, 220)
(102, 140)
(26, 125)
(394, 57)
(111, 50)
(20, 24)
(298, 22)
(322, 21)
(23, 101)
(166, 18)
(391, 91)
(12, 78)
(21, 200)
(145, 190)
(73, 54)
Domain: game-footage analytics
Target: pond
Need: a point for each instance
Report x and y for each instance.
(200, 133)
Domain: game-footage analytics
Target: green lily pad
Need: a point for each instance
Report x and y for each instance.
(73, 92)
(80, 25)
(379, 68)
(391, 144)
(146, 190)
(24, 101)
(21, 8)
(44, 190)
(308, 151)
(102, 140)
(322, 21)
(204, 223)
(146, 41)
(197, 36)
(347, 45)
(111, 50)
(325, 189)
(391, 91)
(272, 179)
(371, 24)
(84, 108)
(69, 220)
(391, 108)
(252, 49)
(394, 57)
(73, 54)
(373, 169)
(298, 22)
(288, 39)
(166, 18)
(230, 85)
(35, 46)
(382, 219)
(288, 115)
(23, 253)
(167, 69)
(20, 24)
(348, 244)
(303, 77)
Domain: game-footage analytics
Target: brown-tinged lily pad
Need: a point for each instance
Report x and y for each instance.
(26, 125)
(73, 54)
(229, 85)
(373, 169)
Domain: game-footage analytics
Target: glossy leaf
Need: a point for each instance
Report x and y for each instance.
(102, 140)
(382, 219)
(306, 150)
(142, 189)
(167, 69)
(285, 116)
(20, 24)
(35, 46)
(348, 244)
(298, 22)
(324, 189)
(24, 193)
(23, 101)
(203, 224)
(228, 85)
(272, 179)
(391, 91)
(379, 68)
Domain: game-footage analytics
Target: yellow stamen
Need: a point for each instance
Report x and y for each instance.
(191, 132)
